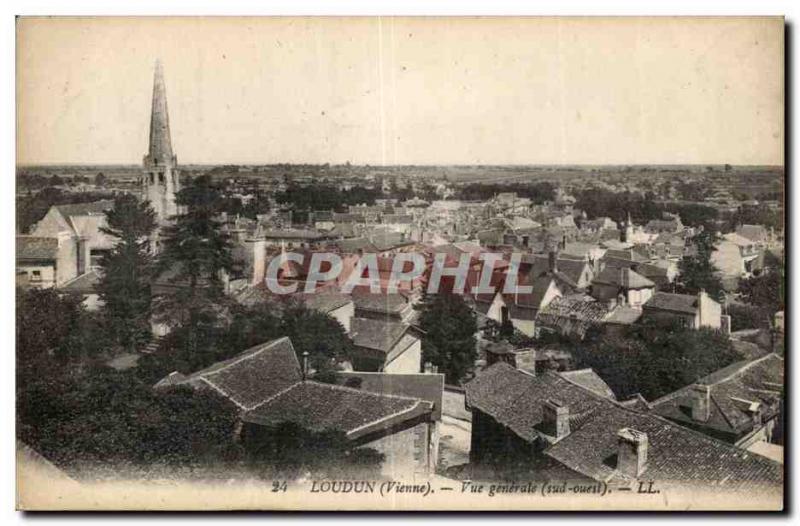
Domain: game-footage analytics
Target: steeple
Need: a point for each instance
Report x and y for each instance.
(161, 179)
(160, 150)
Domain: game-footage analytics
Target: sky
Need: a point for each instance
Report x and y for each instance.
(405, 90)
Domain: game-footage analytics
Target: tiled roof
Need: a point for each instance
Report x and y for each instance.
(36, 248)
(672, 302)
(428, 387)
(253, 376)
(377, 335)
(573, 314)
(514, 398)
(759, 380)
(675, 454)
(324, 407)
(630, 254)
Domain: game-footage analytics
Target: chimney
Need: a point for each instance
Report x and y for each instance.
(702, 297)
(552, 259)
(631, 452)
(428, 368)
(305, 365)
(555, 417)
(701, 402)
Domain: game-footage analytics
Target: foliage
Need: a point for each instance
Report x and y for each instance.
(745, 317)
(322, 337)
(102, 422)
(766, 291)
(698, 272)
(32, 208)
(538, 193)
(326, 197)
(652, 358)
(54, 328)
(449, 340)
(195, 254)
(125, 284)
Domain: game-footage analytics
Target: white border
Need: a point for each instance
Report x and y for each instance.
(791, 9)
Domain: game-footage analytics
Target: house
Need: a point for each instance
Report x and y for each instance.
(45, 262)
(756, 233)
(329, 301)
(690, 311)
(385, 346)
(739, 404)
(622, 285)
(389, 307)
(736, 257)
(269, 388)
(563, 430)
(83, 223)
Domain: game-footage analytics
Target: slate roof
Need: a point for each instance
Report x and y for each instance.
(623, 277)
(428, 387)
(590, 380)
(325, 300)
(353, 245)
(36, 248)
(378, 335)
(684, 303)
(759, 380)
(83, 284)
(380, 303)
(630, 254)
(251, 377)
(755, 233)
(515, 399)
(324, 407)
(86, 209)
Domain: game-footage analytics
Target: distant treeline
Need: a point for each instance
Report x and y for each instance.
(324, 197)
(537, 192)
(31, 208)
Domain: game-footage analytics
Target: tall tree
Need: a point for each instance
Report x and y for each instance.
(195, 255)
(449, 342)
(125, 285)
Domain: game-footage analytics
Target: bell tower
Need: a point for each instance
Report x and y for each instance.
(160, 180)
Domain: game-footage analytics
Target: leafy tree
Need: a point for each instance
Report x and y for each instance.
(100, 179)
(698, 272)
(652, 358)
(125, 285)
(102, 422)
(449, 341)
(766, 291)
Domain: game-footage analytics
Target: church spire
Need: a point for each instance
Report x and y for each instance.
(160, 151)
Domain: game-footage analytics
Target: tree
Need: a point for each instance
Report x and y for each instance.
(652, 358)
(449, 341)
(125, 284)
(765, 291)
(195, 256)
(101, 422)
(100, 179)
(698, 272)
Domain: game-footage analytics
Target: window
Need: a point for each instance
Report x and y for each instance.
(160, 177)
(152, 178)
(36, 275)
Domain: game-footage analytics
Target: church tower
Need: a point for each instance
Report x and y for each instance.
(160, 181)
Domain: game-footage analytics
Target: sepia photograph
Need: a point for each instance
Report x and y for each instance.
(400, 263)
